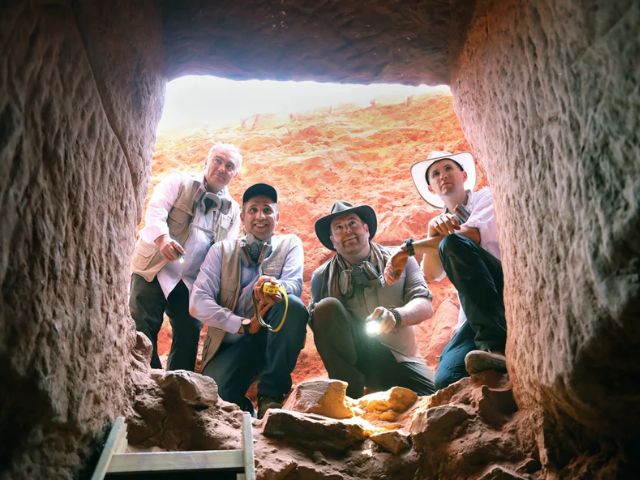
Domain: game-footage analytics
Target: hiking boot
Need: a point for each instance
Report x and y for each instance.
(477, 361)
(265, 403)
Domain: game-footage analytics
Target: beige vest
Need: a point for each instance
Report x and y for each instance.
(147, 260)
(230, 276)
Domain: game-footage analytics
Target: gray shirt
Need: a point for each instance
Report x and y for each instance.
(401, 341)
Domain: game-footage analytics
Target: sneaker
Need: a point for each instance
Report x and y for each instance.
(265, 403)
(477, 361)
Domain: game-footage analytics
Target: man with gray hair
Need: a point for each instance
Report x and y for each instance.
(187, 213)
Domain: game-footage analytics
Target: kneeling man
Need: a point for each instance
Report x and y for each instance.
(238, 350)
(462, 244)
(348, 291)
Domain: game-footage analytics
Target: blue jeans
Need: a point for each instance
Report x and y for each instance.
(477, 275)
(265, 356)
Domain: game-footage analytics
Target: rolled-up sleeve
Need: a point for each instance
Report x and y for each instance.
(414, 284)
(160, 204)
(483, 218)
(203, 304)
(291, 278)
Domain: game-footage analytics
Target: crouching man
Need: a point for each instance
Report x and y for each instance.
(238, 350)
(348, 292)
(462, 244)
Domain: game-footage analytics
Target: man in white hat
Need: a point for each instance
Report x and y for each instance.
(461, 243)
(363, 328)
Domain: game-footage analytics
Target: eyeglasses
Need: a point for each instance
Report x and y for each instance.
(230, 167)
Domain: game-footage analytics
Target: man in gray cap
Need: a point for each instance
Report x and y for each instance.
(229, 297)
(363, 328)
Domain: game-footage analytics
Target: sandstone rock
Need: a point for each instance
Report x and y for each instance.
(198, 391)
(312, 431)
(322, 397)
(389, 100)
(395, 441)
(143, 349)
(431, 426)
(495, 405)
(388, 405)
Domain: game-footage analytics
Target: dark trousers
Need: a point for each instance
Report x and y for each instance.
(148, 305)
(352, 356)
(266, 356)
(477, 275)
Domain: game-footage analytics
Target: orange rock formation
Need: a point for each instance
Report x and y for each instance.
(361, 155)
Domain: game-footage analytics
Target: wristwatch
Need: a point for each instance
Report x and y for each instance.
(246, 323)
(409, 243)
(396, 316)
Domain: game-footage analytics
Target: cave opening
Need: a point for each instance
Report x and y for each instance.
(546, 94)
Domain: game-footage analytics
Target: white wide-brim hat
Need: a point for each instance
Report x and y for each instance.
(419, 171)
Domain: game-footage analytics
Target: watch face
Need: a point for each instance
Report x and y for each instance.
(246, 322)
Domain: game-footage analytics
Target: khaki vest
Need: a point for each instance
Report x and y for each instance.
(230, 286)
(147, 260)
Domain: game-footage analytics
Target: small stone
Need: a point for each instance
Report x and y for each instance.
(312, 431)
(395, 441)
(188, 387)
(387, 405)
(322, 397)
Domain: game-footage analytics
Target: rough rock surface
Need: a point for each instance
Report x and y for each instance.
(351, 146)
(557, 133)
(323, 397)
(345, 41)
(77, 119)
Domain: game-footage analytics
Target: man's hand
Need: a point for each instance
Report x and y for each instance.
(266, 297)
(263, 308)
(445, 224)
(169, 248)
(395, 266)
(387, 321)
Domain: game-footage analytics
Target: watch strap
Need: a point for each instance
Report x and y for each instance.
(409, 243)
(396, 316)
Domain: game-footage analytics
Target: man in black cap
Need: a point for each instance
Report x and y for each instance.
(349, 297)
(239, 349)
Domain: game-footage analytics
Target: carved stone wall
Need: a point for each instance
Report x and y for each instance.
(547, 94)
(78, 109)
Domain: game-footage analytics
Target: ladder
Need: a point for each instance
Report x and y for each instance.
(114, 461)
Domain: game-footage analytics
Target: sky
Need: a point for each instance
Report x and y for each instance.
(217, 102)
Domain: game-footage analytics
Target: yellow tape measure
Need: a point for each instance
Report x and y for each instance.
(272, 290)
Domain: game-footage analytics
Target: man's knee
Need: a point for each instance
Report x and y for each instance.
(326, 312)
(297, 316)
(455, 245)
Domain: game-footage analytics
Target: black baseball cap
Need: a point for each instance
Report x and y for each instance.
(258, 190)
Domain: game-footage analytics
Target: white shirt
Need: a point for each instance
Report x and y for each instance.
(207, 286)
(198, 242)
(482, 217)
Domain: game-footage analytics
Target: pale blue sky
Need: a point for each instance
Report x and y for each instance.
(218, 102)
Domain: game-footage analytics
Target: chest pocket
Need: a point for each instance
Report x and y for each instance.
(179, 221)
(273, 269)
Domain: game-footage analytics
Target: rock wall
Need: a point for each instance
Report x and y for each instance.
(77, 119)
(547, 93)
(336, 40)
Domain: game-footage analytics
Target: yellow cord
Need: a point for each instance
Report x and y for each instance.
(267, 287)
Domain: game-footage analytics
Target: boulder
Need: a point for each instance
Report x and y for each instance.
(312, 431)
(431, 426)
(322, 397)
(395, 441)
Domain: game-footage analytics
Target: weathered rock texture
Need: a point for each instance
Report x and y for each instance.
(347, 41)
(547, 93)
(77, 116)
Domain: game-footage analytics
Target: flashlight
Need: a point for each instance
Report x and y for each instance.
(373, 327)
(180, 257)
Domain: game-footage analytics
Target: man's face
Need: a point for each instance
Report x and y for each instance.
(349, 234)
(445, 177)
(260, 217)
(219, 170)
